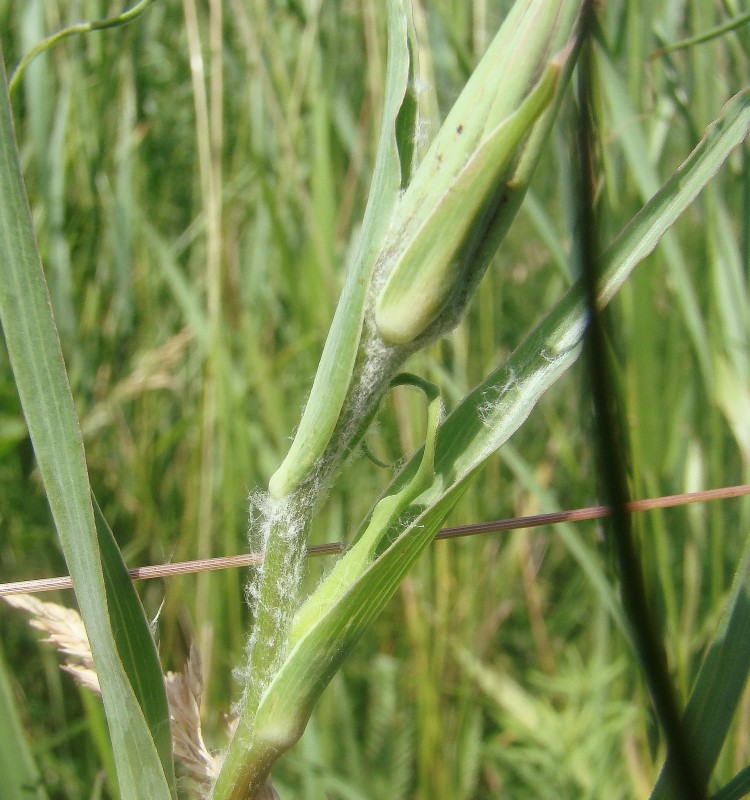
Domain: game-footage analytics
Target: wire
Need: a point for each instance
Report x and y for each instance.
(476, 529)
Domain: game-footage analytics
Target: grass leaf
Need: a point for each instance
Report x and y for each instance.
(721, 681)
(42, 383)
(337, 361)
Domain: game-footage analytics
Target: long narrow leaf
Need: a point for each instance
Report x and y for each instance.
(337, 361)
(738, 787)
(135, 644)
(720, 683)
(39, 370)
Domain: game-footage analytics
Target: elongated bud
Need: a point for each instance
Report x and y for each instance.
(469, 186)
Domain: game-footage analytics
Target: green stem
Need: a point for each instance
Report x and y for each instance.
(246, 773)
(82, 27)
(248, 761)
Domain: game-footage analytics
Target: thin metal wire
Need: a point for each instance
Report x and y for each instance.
(498, 526)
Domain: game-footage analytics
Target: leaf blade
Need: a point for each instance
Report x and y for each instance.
(41, 379)
(340, 351)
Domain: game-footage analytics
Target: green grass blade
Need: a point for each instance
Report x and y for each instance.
(730, 25)
(721, 681)
(42, 384)
(337, 361)
(134, 641)
(19, 774)
(738, 787)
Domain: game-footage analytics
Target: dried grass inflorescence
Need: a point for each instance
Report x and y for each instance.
(64, 629)
(184, 691)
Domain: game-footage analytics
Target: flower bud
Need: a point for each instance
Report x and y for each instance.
(470, 184)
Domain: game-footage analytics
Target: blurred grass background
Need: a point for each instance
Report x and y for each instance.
(197, 179)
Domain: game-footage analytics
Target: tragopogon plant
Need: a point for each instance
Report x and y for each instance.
(429, 232)
(435, 216)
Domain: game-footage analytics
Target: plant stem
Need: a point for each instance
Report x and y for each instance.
(248, 761)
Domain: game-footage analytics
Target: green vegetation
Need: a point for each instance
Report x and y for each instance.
(198, 180)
